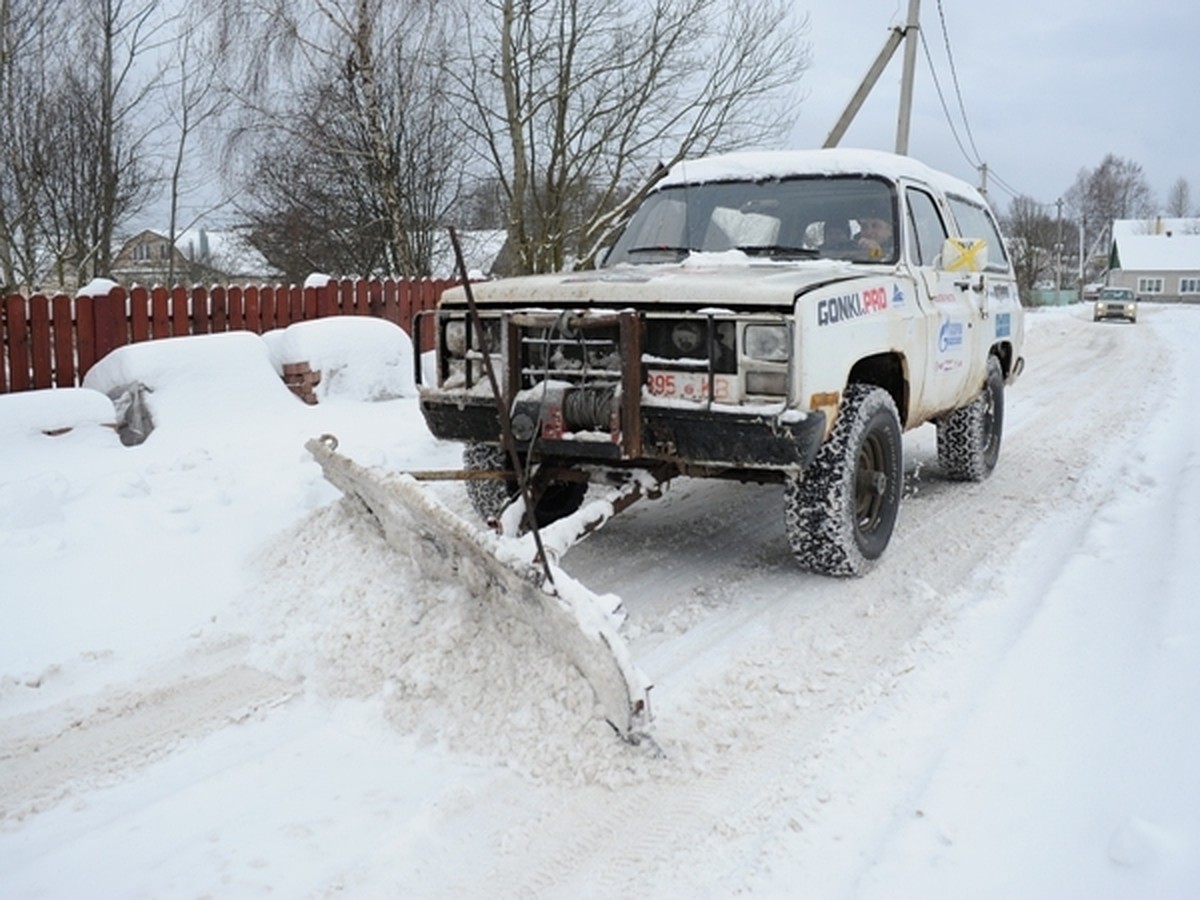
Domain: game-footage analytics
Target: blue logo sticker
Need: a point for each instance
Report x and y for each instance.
(950, 335)
(1003, 324)
(897, 295)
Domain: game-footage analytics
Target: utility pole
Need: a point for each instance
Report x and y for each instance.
(909, 32)
(904, 118)
(1058, 248)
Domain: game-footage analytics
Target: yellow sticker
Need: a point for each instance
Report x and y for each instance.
(964, 254)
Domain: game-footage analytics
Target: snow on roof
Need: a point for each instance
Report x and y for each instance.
(1160, 225)
(1159, 252)
(228, 251)
(1160, 244)
(764, 164)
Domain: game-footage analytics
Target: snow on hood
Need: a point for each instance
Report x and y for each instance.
(725, 278)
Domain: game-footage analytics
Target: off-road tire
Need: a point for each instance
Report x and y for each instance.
(490, 496)
(968, 440)
(839, 514)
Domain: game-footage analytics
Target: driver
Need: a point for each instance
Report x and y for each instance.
(876, 237)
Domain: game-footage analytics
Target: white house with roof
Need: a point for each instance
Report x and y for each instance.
(1158, 259)
(198, 255)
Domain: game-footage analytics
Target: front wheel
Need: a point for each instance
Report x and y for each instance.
(840, 512)
(968, 440)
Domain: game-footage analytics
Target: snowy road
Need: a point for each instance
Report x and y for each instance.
(974, 717)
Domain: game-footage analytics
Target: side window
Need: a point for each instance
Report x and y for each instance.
(928, 230)
(976, 222)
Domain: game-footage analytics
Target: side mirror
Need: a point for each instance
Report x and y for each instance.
(964, 254)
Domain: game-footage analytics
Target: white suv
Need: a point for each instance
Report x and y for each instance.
(768, 317)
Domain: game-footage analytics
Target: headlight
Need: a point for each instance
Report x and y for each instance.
(455, 337)
(768, 343)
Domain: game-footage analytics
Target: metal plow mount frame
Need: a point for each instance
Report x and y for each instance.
(443, 545)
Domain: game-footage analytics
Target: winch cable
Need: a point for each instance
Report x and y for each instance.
(502, 411)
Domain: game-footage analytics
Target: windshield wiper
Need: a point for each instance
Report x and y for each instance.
(677, 252)
(780, 250)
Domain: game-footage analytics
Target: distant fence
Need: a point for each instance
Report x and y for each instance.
(1052, 298)
(52, 341)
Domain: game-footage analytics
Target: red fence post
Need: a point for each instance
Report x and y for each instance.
(110, 322)
(388, 309)
(18, 343)
(220, 311)
(327, 299)
(85, 328)
(268, 298)
(160, 312)
(295, 304)
(253, 309)
(200, 320)
(65, 370)
(237, 310)
(179, 311)
(39, 340)
(139, 314)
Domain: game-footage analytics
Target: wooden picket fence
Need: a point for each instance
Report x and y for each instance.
(52, 341)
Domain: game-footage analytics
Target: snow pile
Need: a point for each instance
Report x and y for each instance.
(450, 668)
(359, 358)
(216, 678)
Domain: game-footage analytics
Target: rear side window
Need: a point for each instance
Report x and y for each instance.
(976, 222)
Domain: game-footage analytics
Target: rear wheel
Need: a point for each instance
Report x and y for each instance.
(968, 440)
(490, 496)
(840, 513)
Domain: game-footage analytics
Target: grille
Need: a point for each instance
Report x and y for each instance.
(568, 350)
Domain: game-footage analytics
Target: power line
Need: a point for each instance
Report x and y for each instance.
(954, 77)
(975, 161)
(942, 100)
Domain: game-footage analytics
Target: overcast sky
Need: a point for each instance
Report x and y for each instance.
(1049, 87)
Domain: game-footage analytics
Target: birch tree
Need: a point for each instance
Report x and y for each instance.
(578, 106)
(27, 39)
(351, 89)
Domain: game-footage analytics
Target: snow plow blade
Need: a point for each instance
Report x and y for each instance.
(564, 613)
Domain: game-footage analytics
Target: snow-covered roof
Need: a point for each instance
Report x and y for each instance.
(1159, 225)
(228, 251)
(1157, 245)
(763, 164)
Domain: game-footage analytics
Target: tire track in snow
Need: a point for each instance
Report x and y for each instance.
(812, 653)
(51, 754)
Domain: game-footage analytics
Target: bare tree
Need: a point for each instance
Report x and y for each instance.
(579, 105)
(1179, 200)
(1033, 234)
(193, 101)
(100, 158)
(352, 88)
(1116, 189)
(27, 38)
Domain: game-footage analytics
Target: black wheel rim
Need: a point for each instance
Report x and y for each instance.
(871, 483)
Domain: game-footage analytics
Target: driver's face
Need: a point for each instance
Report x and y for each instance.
(875, 229)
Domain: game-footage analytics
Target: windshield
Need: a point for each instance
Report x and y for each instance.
(832, 217)
(1116, 294)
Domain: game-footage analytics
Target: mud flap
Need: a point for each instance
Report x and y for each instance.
(564, 613)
